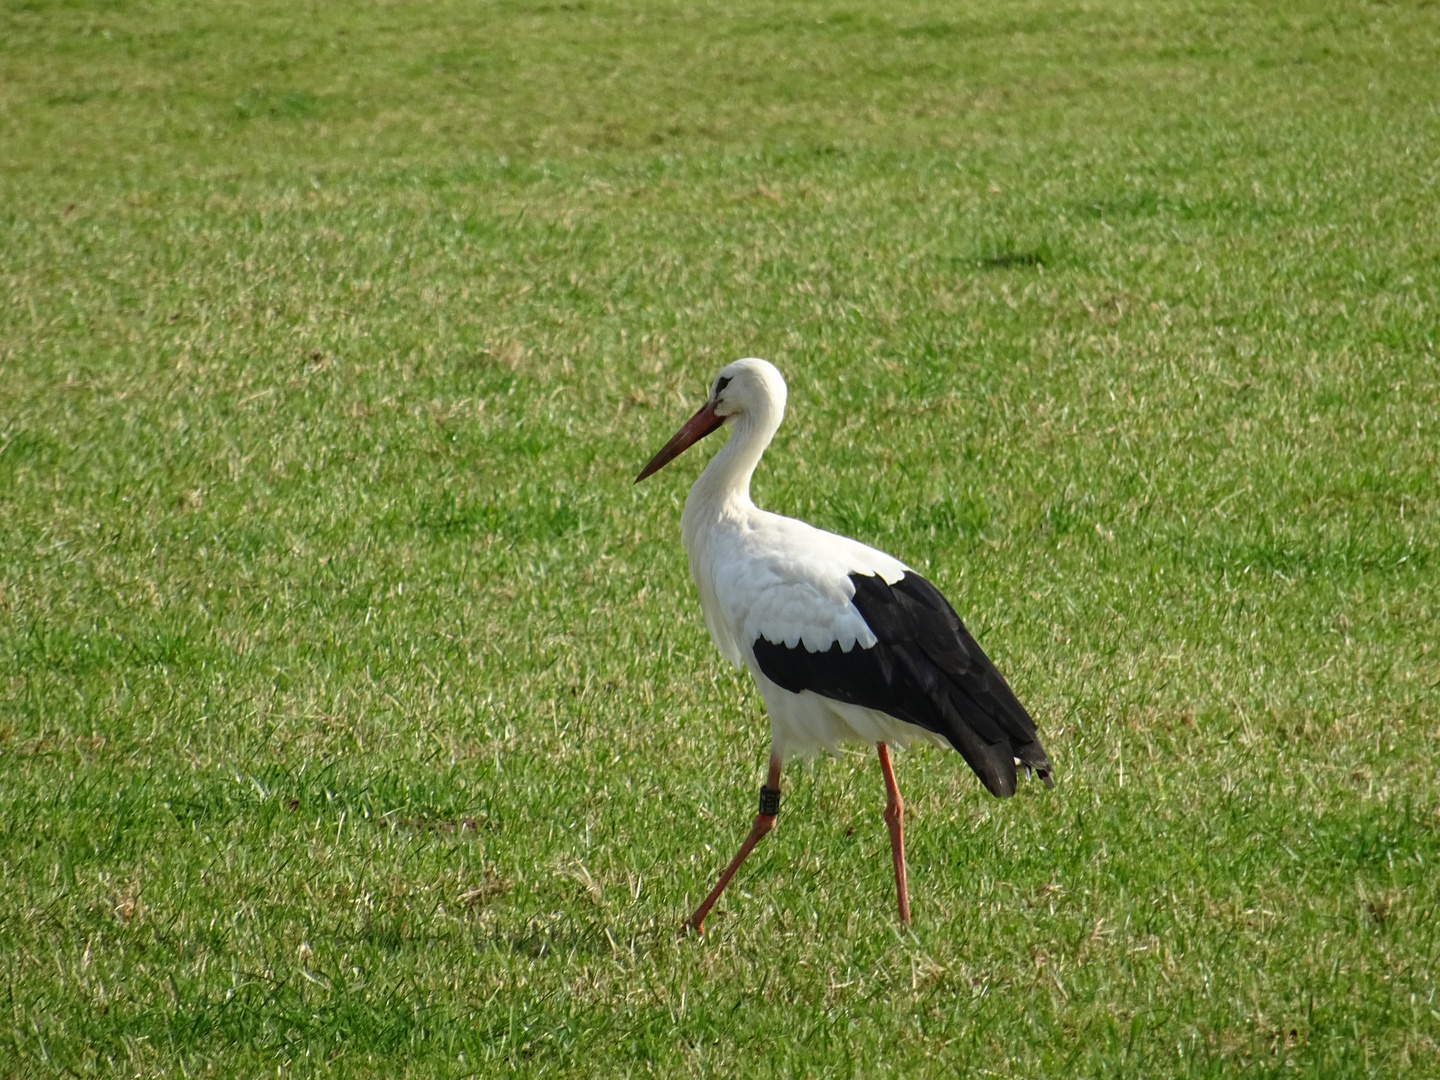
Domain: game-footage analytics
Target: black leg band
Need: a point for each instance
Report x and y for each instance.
(769, 801)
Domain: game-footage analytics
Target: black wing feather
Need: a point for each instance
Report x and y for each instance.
(925, 669)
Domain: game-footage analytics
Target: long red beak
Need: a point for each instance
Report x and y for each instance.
(692, 431)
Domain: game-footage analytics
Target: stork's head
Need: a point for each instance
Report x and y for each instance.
(749, 388)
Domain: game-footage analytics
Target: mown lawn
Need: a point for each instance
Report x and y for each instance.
(356, 711)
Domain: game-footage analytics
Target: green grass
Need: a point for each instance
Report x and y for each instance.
(356, 712)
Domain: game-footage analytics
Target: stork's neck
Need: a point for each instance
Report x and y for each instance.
(723, 490)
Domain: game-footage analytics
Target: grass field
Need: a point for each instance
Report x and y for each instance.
(356, 711)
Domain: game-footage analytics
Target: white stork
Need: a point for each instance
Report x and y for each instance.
(845, 642)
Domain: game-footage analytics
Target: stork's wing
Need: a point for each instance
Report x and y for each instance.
(923, 668)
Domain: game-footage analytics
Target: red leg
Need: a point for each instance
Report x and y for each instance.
(895, 819)
(763, 824)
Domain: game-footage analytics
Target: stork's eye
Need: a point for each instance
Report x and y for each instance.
(720, 384)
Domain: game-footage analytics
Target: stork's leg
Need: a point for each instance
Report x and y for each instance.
(764, 822)
(895, 819)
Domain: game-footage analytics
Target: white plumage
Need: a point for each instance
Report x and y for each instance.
(775, 578)
(766, 575)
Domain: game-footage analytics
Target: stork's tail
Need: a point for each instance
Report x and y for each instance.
(1032, 757)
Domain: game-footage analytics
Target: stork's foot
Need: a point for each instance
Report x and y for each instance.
(764, 822)
(762, 825)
